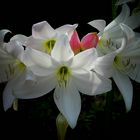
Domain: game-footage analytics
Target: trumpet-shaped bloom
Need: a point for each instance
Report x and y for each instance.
(88, 41)
(114, 62)
(12, 68)
(113, 29)
(120, 62)
(44, 36)
(126, 65)
(65, 72)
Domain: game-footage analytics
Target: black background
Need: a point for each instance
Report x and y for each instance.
(19, 17)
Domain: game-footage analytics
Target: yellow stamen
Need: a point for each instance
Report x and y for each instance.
(63, 74)
(124, 65)
(20, 65)
(48, 45)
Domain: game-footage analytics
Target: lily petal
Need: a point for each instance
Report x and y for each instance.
(75, 43)
(133, 21)
(133, 51)
(20, 38)
(66, 29)
(128, 32)
(29, 89)
(84, 59)
(103, 65)
(62, 51)
(38, 58)
(8, 93)
(14, 48)
(124, 84)
(6, 66)
(35, 43)
(98, 24)
(30, 75)
(42, 30)
(5, 58)
(8, 97)
(123, 45)
(89, 41)
(114, 33)
(94, 84)
(6, 72)
(135, 74)
(68, 102)
(121, 18)
(40, 71)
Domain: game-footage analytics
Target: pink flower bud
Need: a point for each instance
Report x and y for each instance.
(89, 41)
(75, 43)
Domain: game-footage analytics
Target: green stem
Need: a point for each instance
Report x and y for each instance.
(62, 126)
(15, 105)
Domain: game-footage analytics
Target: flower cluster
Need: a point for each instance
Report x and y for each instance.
(56, 59)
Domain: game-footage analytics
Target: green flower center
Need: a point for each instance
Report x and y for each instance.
(63, 74)
(15, 68)
(124, 65)
(48, 45)
(20, 65)
(107, 45)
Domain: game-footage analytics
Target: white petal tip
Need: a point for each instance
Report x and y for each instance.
(99, 24)
(3, 33)
(72, 125)
(6, 107)
(75, 25)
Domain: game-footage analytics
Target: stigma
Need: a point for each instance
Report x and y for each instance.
(63, 73)
(48, 45)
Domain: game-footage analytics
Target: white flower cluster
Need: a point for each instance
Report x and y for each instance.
(57, 59)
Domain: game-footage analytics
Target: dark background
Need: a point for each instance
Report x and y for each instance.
(36, 118)
(20, 16)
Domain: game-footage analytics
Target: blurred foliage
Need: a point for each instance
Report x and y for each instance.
(134, 6)
(114, 9)
(102, 116)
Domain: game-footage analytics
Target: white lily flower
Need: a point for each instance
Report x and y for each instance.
(121, 62)
(126, 66)
(113, 29)
(115, 60)
(44, 36)
(68, 74)
(12, 68)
